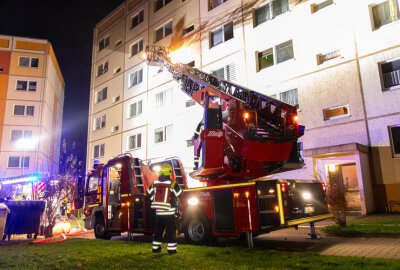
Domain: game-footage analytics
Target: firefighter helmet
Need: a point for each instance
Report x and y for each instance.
(165, 169)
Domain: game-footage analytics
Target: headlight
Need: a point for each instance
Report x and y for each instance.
(156, 168)
(193, 201)
(306, 195)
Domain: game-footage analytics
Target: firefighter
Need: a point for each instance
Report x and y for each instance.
(162, 192)
(199, 129)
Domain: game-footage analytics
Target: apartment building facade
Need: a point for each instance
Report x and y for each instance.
(31, 107)
(337, 60)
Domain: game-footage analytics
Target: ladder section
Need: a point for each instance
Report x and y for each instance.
(138, 175)
(176, 166)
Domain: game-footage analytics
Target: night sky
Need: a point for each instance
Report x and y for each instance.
(68, 25)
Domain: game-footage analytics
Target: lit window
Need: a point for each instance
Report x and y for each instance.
(102, 68)
(104, 43)
(98, 151)
(270, 10)
(135, 77)
(394, 132)
(32, 62)
(136, 48)
(336, 112)
(215, 3)
(137, 19)
(135, 109)
(228, 72)
(163, 98)
(324, 4)
(135, 141)
(164, 31)
(163, 134)
(101, 95)
(282, 51)
(385, 13)
(100, 122)
(391, 74)
(160, 3)
(221, 34)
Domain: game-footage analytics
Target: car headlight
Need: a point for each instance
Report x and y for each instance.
(193, 201)
(306, 195)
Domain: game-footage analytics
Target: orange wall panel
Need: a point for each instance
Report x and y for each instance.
(5, 61)
(27, 71)
(3, 86)
(4, 43)
(33, 46)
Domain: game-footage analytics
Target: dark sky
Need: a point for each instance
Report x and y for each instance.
(68, 25)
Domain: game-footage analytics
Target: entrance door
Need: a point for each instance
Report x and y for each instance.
(114, 197)
(350, 181)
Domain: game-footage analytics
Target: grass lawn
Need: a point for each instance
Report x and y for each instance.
(102, 254)
(367, 227)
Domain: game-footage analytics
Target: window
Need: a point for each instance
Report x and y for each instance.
(160, 3)
(283, 53)
(228, 72)
(115, 129)
(163, 98)
(93, 183)
(188, 30)
(117, 70)
(135, 77)
(394, 134)
(135, 109)
(164, 31)
(101, 95)
(189, 143)
(290, 97)
(221, 34)
(17, 134)
(135, 141)
(336, 112)
(23, 86)
(321, 58)
(137, 19)
(119, 42)
(190, 103)
(32, 62)
(269, 11)
(98, 151)
(136, 48)
(104, 43)
(215, 3)
(385, 13)
(24, 110)
(102, 68)
(163, 134)
(100, 122)
(391, 74)
(324, 4)
(14, 162)
(115, 99)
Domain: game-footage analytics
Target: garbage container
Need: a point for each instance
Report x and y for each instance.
(3, 218)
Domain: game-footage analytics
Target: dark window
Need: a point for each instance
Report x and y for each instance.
(26, 162)
(19, 110)
(103, 68)
(23, 62)
(391, 74)
(160, 3)
(30, 110)
(395, 140)
(13, 162)
(221, 34)
(101, 95)
(34, 62)
(137, 47)
(164, 31)
(215, 3)
(32, 86)
(188, 30)
(104, 43)
(270, 10)
(136, 20)
(21, 85)
(219, 73)
(262, 14)
(98, 151)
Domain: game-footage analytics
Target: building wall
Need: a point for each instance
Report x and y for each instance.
(352, 78)
(47, 99)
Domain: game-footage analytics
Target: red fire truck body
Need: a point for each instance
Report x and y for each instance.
(246, 136)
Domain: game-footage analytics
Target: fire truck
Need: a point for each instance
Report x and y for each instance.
(246, 137)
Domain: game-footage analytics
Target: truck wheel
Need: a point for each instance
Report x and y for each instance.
(100, 229)
(198, 231)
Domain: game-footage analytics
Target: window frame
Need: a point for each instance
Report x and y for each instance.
(29, 62)
(272, 14)
(19, 162)
(222, 29)
(106, 38)
(274, 53)
(163, 31)
(336, 117)
(137, 43)
(381, 75)
(211, 7)
(372, 18)
(130, 82)
(391, 142)
(25, 110)
(165, 100)
(98, 95)
(104, 68)
(136, 147)
(101, 122)
(164, 3)
(137, 15)
(136, 109)
(100, 146)
(165, 136)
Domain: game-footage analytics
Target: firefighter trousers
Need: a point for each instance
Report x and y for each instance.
(165, 222)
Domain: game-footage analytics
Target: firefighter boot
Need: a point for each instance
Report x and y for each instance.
(156, 250)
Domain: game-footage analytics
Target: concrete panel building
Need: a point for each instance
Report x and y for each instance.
(338, 61)
(31, 107)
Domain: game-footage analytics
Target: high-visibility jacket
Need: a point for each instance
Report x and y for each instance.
(161, 194)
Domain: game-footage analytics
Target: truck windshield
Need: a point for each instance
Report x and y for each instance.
(92, 183)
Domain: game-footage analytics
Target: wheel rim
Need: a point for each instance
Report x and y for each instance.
(196, 230)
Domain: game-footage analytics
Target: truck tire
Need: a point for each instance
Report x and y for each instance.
(100, 229)
(198, 230)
